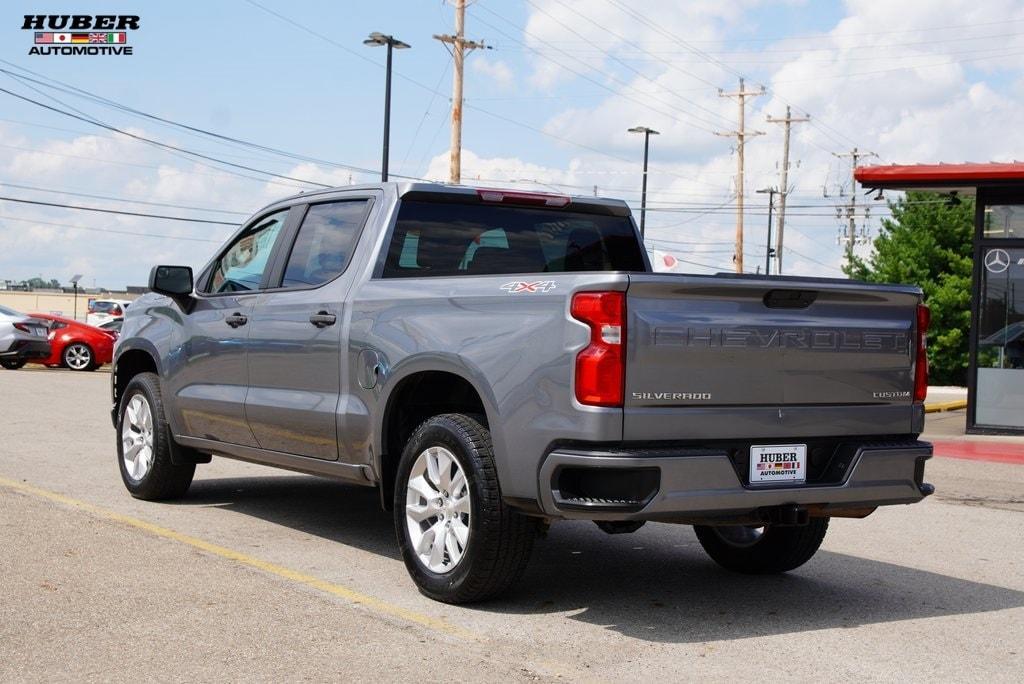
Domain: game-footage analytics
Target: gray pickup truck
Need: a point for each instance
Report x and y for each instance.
(493, 361)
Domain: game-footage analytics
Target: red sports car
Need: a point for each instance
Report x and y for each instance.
(75, 345)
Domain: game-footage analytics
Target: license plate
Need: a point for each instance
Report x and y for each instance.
(40, 332)
(778, 463)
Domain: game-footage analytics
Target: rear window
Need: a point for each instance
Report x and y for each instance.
(444, 239)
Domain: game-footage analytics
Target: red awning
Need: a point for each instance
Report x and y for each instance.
(945, 177)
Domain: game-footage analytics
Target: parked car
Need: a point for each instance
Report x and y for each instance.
(104, 310)
(22, 339)
(495, 361)
(113, 326)
(75, 345)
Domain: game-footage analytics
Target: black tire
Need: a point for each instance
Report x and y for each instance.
(163, 480)
(500, 538)
(83, 348)
(775, 550)
(13, 364)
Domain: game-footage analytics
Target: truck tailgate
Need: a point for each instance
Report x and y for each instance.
(734, 357)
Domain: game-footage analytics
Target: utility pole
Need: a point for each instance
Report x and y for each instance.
(784, 182)
(851, 207)
(458, 48)
(741, 134)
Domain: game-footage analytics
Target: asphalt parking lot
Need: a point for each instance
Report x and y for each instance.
(263, 575)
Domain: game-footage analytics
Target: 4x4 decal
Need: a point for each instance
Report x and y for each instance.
(518, 286)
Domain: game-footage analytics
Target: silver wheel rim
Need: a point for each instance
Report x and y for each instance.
(437, 510)
(740, 536)
(77, 356)
(137, 437)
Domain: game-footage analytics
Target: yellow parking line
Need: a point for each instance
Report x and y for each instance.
(945, 406)
(338, 590)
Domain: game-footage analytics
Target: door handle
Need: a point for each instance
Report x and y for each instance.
(236, 320)
(322, 319)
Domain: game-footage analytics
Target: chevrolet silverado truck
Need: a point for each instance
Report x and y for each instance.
(493, 361)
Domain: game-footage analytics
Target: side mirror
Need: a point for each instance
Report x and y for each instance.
(173, 281)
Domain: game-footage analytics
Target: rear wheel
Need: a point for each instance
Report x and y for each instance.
(460, 541)
(145, 444)
(762, 550)
(12, 364)
(79, 357)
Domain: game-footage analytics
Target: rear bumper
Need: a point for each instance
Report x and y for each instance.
(695, 484)
(27, 349)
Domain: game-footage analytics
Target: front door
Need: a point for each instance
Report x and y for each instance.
(999, 395)
(209, 376)
(295, 349)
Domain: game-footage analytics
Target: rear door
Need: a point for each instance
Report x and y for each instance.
(212, 378)
(295, 354)
(720, 357)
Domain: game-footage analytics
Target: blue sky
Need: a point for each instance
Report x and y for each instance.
(548, 108)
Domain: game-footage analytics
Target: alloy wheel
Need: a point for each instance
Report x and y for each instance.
(137, 437)
(438, 509)
(78, 357)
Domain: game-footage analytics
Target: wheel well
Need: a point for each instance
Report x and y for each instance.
(417, 398)
(128, 365)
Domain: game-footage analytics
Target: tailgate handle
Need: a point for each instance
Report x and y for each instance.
(789, 299)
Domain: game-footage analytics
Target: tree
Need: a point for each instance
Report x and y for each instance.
(928, 242)
(39, 283)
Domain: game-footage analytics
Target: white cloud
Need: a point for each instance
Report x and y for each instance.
(495, 71)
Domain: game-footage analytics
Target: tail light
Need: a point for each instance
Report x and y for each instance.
(23, 327)
(921, 353)
(600, 367)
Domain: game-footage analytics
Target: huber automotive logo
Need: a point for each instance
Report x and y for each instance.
(80, 34)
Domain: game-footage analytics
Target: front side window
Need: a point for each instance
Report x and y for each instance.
(240, 268)
(447, 239)
(324, 244)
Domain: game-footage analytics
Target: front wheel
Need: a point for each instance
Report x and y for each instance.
(145, 444)
(769, 549)
(460, 541)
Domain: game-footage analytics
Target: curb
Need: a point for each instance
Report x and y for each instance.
(945, 406)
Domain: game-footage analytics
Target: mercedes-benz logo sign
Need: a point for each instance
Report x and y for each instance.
(997, 260)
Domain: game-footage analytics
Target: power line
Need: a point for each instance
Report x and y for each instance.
(157, 143)
(143, 166)
(713, 60)
(617, 59)
(219, 137)
(107, 230)
(588, 78)
(122, 199)
(116, 211)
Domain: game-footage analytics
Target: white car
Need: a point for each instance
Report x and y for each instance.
(105, 310)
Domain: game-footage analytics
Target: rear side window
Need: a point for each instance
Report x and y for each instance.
(444, 239)
(324, 244)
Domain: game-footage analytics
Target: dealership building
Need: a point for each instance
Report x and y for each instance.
(995, 397)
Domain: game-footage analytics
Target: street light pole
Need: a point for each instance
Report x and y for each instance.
(74, 282)
(377, 39)
(768, 251)
(648, 132)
